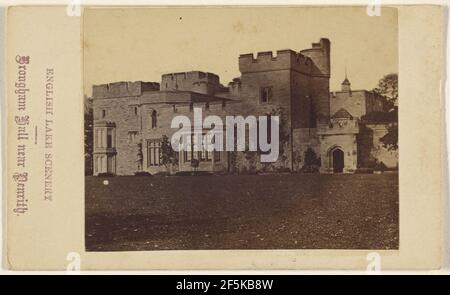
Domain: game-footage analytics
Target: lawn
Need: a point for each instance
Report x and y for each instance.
(282, 211)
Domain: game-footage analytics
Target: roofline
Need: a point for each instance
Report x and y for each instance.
(205, 97)
(186, 72)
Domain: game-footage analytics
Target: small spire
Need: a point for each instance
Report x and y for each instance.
(346, 81)
(345, 85)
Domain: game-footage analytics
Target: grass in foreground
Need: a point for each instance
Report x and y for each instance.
(283, 211)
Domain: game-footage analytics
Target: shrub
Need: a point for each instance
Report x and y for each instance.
(380, 166)
(162, 173)
(380, 117)
(282, 169)
(310, 169)
(193, 173)
(142, 173)
(312, 162)
(105, 174)
(183, 173)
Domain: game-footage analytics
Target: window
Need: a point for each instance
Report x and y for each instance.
(154, 119)
(132, 137)
(187, 156)
(105, 163)
(266, 95)
(103, 113)
(205, 154)
(110, 164)
(99, 164)
(98, 137)
(207, 148)
(153, 152)
(109, 138)
(105, 137)
(134, 110)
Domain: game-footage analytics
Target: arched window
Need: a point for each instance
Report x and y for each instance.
(154, 119)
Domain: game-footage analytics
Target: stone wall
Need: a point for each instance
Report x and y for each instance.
(357, 103)
(344, 142)
(339, 134)
(320, 88)
(121, 112)
(279, 104)
(371, 150)
(299, 87)
(304, 138)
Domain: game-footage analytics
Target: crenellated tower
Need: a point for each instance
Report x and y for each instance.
(298, 81)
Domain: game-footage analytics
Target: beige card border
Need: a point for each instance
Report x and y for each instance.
(42, 239)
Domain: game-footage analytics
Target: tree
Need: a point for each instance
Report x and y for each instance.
(390, 140)
(88, 136)
(388, 87)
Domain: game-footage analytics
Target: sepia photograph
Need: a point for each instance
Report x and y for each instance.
(240, 128)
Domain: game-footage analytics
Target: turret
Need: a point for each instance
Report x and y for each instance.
(345, 85)
(320, 55)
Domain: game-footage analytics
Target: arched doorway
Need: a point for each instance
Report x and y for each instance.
(338, 161)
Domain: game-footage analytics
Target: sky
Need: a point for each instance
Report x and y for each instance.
(141, 44)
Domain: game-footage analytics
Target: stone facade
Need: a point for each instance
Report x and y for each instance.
(356, 102)
(131, 118)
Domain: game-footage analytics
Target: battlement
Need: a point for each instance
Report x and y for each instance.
(311, 61)
(235, 87)
(193, 76)
(123, 89)
(196, 81)
(265, 61)
(319, 53)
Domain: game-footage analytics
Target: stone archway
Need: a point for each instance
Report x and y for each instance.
(337, 160)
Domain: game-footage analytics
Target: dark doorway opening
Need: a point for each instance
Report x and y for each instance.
(338, 161)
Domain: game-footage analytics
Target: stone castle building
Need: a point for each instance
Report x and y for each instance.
(317, 128)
